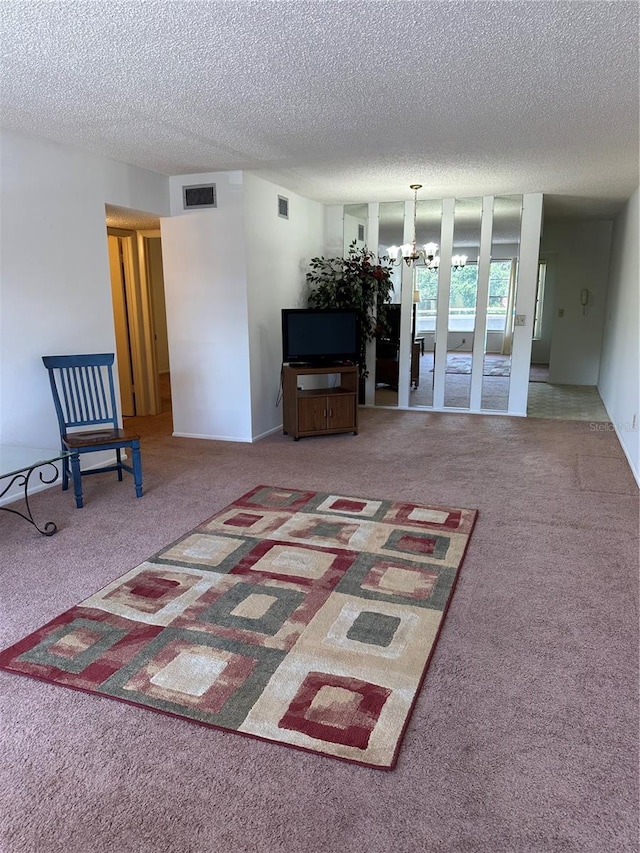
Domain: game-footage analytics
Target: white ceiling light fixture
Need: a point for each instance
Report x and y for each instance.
(427, 255)
(409, 252)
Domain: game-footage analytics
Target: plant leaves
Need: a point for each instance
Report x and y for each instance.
(359, 282)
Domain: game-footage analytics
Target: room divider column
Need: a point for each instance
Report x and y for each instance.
(482, 300)
(442, 317)
(404, 369)
(372, 239)
(525, 303)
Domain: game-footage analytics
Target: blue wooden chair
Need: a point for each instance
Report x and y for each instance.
(84, 397)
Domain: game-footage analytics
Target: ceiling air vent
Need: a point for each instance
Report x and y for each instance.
(283, 207)
(199, 195)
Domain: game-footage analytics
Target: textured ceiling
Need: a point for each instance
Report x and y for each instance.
(341, 101)
(124, 217)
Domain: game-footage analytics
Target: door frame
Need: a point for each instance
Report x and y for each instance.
(140, 321)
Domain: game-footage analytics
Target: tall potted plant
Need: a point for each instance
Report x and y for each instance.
(361, 282)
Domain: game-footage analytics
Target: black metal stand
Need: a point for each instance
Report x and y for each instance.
(22, 479)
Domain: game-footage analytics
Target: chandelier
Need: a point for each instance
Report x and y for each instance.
(409, 252)
(427, 254)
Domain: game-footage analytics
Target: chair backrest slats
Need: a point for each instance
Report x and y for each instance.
(65, 386)
(83, 389)
(101, 392)
(81, 392)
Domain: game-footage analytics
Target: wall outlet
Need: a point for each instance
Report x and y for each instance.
(560, 312)
(521, 320)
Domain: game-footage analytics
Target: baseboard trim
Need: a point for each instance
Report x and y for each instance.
(212, 437)
(636, 474)
(267, 433)
(229, 437)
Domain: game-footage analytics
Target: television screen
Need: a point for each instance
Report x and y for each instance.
(317, 335)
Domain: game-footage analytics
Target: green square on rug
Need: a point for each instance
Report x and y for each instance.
(303, 618)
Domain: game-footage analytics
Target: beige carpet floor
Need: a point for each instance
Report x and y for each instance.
(524, 738)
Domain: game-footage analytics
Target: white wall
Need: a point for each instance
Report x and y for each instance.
(582, 249)
(55, 293)
(278, 252)
(228, 271)
(203, 255)
(620, 363)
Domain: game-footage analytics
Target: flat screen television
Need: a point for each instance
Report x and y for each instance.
(319, 336)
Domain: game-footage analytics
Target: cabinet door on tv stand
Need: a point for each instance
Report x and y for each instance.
(342, 411)
(312, 414)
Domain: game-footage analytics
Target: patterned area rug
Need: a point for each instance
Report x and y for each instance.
(297, 617)
(492, 366)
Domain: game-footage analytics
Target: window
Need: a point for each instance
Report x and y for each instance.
(463, 297)
(499, 278)
(537, 317)
(427, 307)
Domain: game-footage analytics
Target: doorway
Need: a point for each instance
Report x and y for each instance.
(139, 311)
(123, 325)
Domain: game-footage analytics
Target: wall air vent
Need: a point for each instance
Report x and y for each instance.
(283, 207)
(199, 195)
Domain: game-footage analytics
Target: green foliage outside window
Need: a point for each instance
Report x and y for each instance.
(499, 278)
(464, 288)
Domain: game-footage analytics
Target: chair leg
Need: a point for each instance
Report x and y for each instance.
(77, 479)
(119, 458)
(137, 467)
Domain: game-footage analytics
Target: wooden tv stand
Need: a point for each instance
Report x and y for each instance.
(319, 411)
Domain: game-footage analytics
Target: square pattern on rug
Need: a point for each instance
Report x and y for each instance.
(492, 365)
(297, 617)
